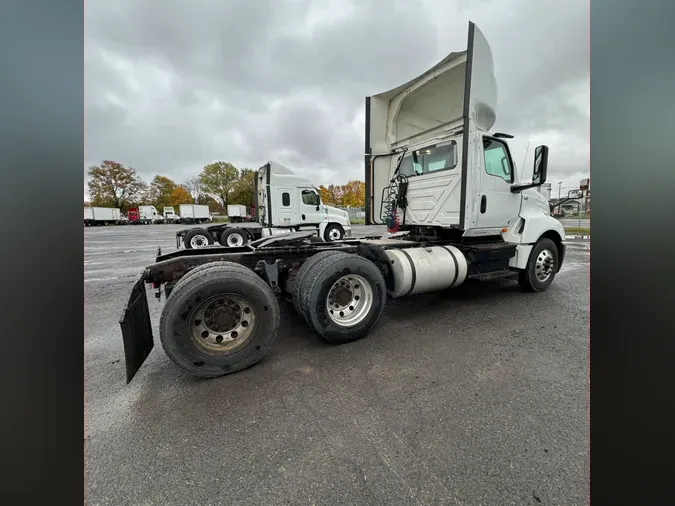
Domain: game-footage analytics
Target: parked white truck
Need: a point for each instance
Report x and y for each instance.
(286, 203)
(101, 216)
(434, 171)
(194, 213)
(236, 213)
(148, 215)
(170, 215)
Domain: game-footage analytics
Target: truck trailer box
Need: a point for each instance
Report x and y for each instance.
(105, 214)
(236, 210)
(201, 212)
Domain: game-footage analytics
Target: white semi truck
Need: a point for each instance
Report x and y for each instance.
(101, 216)
(148, 215)
(170, 215)
(435, 171)
(286, 203)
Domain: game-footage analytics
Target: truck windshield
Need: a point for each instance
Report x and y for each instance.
(429, 159)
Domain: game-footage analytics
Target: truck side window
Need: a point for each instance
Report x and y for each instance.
(497, 161)
(430, 159)
(310, 198)
(286, 199)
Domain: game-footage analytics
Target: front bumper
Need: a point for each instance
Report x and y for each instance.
(561, 256)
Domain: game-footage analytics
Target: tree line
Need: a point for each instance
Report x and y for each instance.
(112, 184)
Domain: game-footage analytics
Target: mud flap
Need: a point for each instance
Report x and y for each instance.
(136, 330)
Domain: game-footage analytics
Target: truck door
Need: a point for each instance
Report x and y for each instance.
(497, 207)
(286, 208)
(311, 211)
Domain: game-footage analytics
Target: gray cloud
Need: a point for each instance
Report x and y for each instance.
(172, 85)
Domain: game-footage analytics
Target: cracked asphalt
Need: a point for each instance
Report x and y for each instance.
(475, 396)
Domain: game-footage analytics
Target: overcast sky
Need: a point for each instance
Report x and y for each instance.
(174, 84)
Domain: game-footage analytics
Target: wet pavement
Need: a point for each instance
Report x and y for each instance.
(478, 395)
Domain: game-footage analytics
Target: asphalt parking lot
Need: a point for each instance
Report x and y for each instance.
(474, 396)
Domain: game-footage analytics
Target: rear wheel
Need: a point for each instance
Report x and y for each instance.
(218, 320)
(302, 273)
(333, 232)
(541, 267)
(343, 297)
(233, 238)
(198, 238)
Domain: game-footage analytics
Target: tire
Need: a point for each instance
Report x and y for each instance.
(202, 238)
(543, 260)
(208, 266)
(302, 273)
(360, 308)
(206, 346)
(233, 238)
(334, 230)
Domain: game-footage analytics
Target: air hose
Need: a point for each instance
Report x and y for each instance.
(394, 200)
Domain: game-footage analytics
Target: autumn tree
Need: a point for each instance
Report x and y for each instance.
(194, 187)
(354, 194)
(214, 205)
(179, 196)
(325, 195)
(331, 195)
(219, 178)
(111, 184)
(161, 189)
(243, 191)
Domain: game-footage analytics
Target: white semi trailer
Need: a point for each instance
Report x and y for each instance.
(236, 213)
(194, 213)
(101, 216)
(435, 171)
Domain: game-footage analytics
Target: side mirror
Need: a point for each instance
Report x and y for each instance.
(575, 194)
(318, 208)
(540, 165)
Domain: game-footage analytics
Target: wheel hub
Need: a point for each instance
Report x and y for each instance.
(349, 300)
(235, 240)
(222, 322)
(198, 241)
(544, 265)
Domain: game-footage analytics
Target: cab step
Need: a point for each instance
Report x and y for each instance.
(485, 276)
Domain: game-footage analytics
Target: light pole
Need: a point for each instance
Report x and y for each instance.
(559, 187)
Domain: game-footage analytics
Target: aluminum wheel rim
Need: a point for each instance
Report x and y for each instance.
(543, 267)
(199, 241)
(349, 300)
(234, 240)
(222, 322)
(334, 234)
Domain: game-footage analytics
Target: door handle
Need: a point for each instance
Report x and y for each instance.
(303, 217)
(483, 204)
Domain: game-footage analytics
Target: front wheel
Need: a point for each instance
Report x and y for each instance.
(541, 267)
(333, 232)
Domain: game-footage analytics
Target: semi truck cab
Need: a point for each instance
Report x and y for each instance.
(433, 164)
(170, 214)
(287, 200)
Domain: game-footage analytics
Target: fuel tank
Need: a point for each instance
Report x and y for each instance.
(419, 270)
